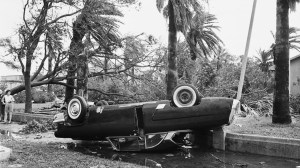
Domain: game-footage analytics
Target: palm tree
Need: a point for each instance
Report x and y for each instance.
(294, 38)
(264, 57)
(281, 112)
(179, 15)
(201, 36)
(221, 55)
(96, 20)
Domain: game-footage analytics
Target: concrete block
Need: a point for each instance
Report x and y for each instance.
(4, 153)
(218, 139)
(269, 146)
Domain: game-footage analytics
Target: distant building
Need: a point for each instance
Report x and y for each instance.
(295, 75)
(12, 80)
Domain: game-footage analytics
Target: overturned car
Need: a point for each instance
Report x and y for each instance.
(148, 125)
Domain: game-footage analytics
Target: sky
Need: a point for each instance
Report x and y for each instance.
(233, 18)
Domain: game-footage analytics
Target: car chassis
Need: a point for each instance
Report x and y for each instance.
(148, 125)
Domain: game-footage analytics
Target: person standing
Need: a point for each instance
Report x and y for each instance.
(8, 100)
(1, 106)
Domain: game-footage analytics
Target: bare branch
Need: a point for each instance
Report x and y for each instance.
(60, 17)
(24, 15)
(55, 71)
(20, 60)
(107, 73)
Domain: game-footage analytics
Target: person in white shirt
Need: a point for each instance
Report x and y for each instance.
(8, 100)
(1, 106)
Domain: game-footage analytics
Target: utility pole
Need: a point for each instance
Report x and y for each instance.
(244, 64)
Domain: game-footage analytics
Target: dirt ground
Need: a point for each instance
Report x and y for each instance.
(263, 126)
(44, 150)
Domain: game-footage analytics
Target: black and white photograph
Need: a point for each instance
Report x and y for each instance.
(150, 83)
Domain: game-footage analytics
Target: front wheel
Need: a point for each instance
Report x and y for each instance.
(185, 96)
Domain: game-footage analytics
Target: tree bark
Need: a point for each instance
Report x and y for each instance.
(82, 74)
(28, 100)
(106, 59)
(171, 78)
(76, 47)
(50, 66)
(281, 112)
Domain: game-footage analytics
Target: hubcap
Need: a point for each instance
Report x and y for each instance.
(74, 110)
(185, 96)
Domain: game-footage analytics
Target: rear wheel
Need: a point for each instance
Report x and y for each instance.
(77, 108)
(185, 96)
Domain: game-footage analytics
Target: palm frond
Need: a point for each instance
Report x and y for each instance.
(292, 4)
(202, 32)
(99, 20)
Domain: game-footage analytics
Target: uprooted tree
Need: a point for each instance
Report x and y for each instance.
(39, 17)
(44, 22)
(99, 46)
(96, 21)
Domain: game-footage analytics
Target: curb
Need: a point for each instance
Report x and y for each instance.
(4, 153)
(263, 145)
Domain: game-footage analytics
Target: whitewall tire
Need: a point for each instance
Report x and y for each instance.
(185, 96)
(77, 108)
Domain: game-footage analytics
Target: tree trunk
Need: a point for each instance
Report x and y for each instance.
(28, 99)
(171, 78)
(82, 74)
(106, 59)
(50, 66)
(281, 112)
(76, 47)
(190, 72)
(106, 64)
(218, 63)
(132, 75)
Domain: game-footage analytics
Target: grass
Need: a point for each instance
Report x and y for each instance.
(51, 155)
(263, 126)
(32, 152)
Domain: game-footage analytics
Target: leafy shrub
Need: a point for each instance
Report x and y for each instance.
(37, 96)
(20, 97)
(42, 97)
(38, 126)
(3, 86)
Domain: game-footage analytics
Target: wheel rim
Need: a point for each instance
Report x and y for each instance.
(74, 109)
(184, 96)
